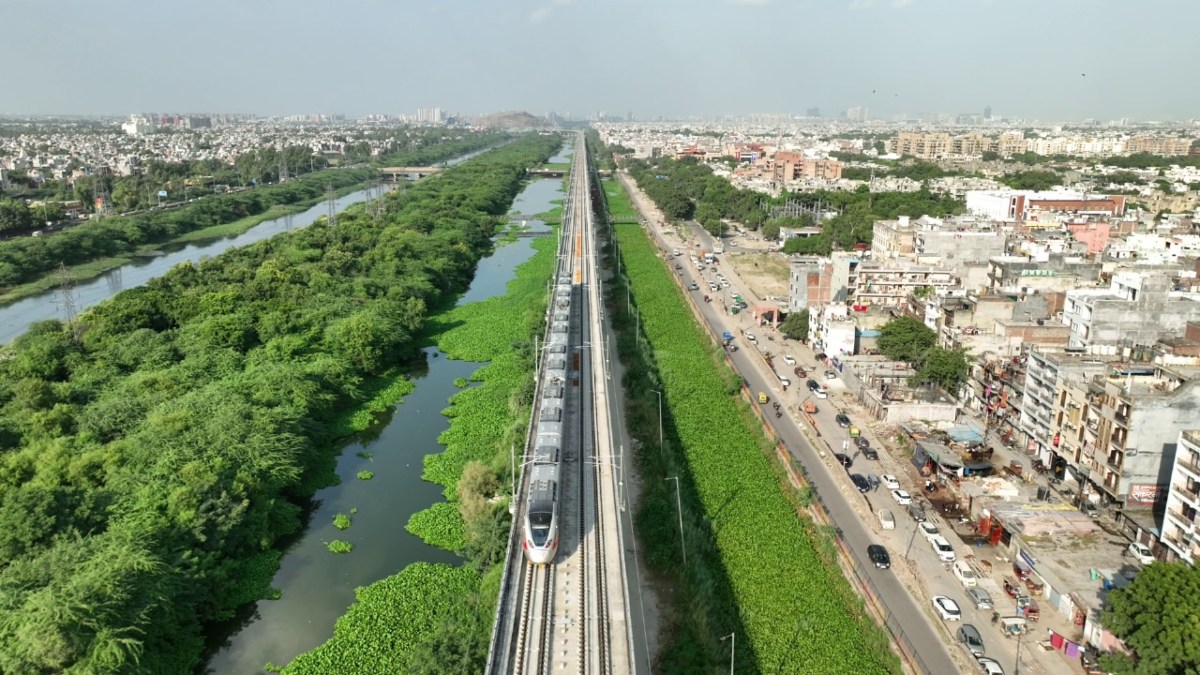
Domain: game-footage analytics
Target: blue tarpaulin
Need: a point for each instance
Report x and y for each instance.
(965, 433)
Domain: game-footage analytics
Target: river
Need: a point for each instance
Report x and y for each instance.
(317, 586)
(16, 318)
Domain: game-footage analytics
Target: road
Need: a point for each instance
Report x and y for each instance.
(849, 510)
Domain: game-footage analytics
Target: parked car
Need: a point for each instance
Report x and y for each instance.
(813, 386)
(879, 556)
(1140, 552)
(821, 393)
(750, 337)
(693, 286)
(842, 420)
(862, 443)
(831, 374)
(889, 481)
(989, 666)
(970, 638)
(965, 575)
(886, 520)
(979, 598)
(800, 372)
(678, 266)
(1090, 509)
(916, 512)
(870, 453)
(860, 482)
(789, 359)
(943, 549)
(902, 498)
(946, 608)
(873, 480)
(844, 460)
(927, 529)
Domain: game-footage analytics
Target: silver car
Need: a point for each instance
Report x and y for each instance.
(979, 598)
(969, 636)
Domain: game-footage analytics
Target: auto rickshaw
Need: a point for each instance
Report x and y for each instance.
(1013, 625)
(762, 398)
(855, 432)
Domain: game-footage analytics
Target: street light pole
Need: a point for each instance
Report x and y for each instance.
(679, 506)
(660, 424)
(732, 637)
(910, 542)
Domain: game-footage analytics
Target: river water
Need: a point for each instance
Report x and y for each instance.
(16, 317)
(318, 586)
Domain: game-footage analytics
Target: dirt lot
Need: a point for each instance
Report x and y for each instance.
(765, 273)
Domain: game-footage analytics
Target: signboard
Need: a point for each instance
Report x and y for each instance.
(162, 193)
(1142, 494)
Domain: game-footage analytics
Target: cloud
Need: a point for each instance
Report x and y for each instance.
(859, 5)
(542, 13)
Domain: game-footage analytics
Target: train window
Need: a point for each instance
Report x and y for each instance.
(558, 348)
(551, 414)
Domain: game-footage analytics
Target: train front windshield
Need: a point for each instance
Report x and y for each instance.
(539, 526)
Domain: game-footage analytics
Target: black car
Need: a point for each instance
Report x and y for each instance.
(870, 453)
(844, 460)
(862, 443)
(813, 386)
(860, 482)
(842, 420)
(879, 556)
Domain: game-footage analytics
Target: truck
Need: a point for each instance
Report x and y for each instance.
(718, 248)
(708, 257)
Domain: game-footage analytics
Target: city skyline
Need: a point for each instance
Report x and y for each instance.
(664, 58)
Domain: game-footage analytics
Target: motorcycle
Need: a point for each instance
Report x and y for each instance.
(778, 414)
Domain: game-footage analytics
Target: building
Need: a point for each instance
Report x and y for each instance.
(1010, 205)
(856, 114)
(1047, 373)
(892, 238)
(1118, 315)
(1094, 235)
(923, 146)
(888, 284)
(957, 246)
(1025, 274)
(812, 112)
(430, 116)
(1117, 434)
(815, 280)
(987, 112)
(789, 166)
(1180, 533)
(138, 126)
(831, 330)
(1159, 145)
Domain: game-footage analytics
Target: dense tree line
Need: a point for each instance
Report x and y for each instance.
(25, 259)
(153, 454)
(1031, 180)
(687, 189)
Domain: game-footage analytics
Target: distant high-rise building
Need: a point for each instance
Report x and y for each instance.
(812, 112)
(987, 112)
(629, 116)
(856, 114)
(430, 116)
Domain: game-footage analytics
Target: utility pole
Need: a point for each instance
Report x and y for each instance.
(679, 506)
(64, 297)
(331, 207)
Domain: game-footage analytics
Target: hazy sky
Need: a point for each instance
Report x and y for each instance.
(1026, 58)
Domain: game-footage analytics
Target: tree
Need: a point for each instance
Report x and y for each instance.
(947, 368)
(796, 325)
(770, 229)
(906, 339)
(990, 156)
(1156, 615)
(15, 215)
(1031, 180)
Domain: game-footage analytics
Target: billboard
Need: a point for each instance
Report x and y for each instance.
(1143, 494)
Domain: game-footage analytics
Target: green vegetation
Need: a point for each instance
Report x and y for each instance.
(156, 451)
(731, 495)
(366, 475)
(907, 339)
(1157, 617)
(796, 325)
(1143, 160)
(24, 259)
(453, 606)
(410, 622)
(341, 521)
(685, 189)
(460, 382)
(339, 546)
(1031, 180)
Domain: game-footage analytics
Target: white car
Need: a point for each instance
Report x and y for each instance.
(902, 497)
(946, 608)
(943, 549)
(1140, 552)
(789, 359)
(750, 337)
(989, 666)
(724, 284)
(889, 481)
(965, 575)
(886, 520)
(928, 530)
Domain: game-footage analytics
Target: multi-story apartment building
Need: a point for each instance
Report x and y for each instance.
(832, 330)
(1117, 433)
(923, 146)
(815, 280)
(888, 283)
(1181, 527)
(936, 145)
(1047, 373)
(1137, 309)
(1056, 272)
(789, 166)
(892, 238)
(1167, 146)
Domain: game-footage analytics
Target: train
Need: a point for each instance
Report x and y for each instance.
(545, 474)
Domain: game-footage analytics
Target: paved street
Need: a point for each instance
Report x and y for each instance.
(916, 575)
